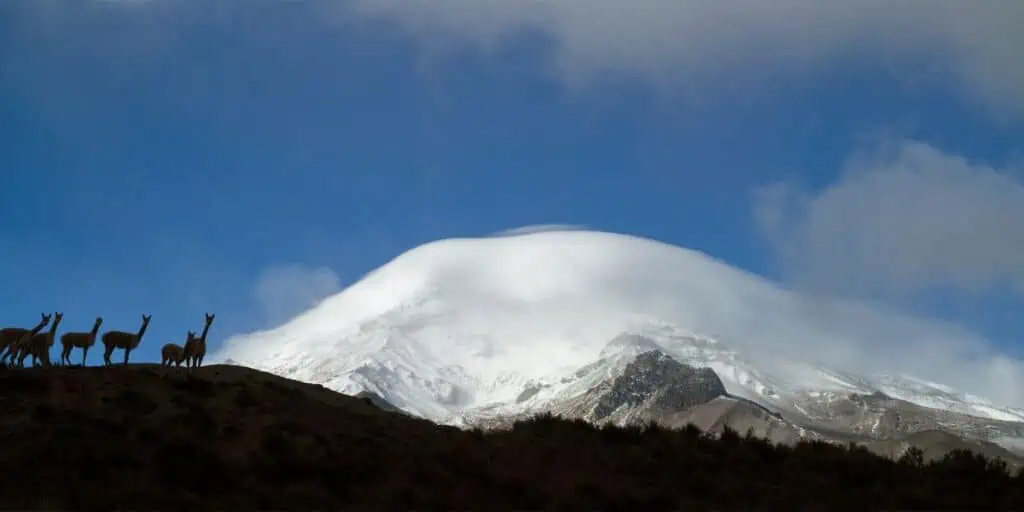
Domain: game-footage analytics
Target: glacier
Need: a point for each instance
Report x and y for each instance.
(496, 325)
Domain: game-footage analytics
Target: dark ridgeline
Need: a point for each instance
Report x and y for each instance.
(232, 438)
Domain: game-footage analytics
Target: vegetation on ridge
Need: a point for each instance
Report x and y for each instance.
(229, 437)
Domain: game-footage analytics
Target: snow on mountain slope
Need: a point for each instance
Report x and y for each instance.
(465, 324)
(938, 396)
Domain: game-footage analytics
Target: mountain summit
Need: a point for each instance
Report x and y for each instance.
(462, 329)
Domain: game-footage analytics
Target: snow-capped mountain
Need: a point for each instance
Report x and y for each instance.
(463, 330)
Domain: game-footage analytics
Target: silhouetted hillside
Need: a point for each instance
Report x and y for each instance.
(233, 438)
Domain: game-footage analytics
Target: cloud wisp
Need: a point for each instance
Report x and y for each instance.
(538, 228)
(284, 291)
(676, 45)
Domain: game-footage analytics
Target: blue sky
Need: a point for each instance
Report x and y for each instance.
(174, 158)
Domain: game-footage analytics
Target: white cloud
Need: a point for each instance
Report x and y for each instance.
(677, 44)
(901, 219)
(284, 291)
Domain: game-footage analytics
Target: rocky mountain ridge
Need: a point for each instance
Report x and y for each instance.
(655, 387)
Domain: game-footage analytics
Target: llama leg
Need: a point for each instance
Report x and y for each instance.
(85, 351)
(127, 351)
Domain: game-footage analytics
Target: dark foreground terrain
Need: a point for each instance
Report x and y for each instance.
(233, 438)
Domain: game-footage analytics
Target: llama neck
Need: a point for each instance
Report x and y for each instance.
(35, 330)
(206, 329)
(53, 328)
(95, 329)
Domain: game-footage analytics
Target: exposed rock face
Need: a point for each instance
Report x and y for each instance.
(877, 416)
(527, 393)
(647, 385)
(662, 384)
(739, 415)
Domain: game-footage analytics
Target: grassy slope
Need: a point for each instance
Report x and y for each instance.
(234, 438)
